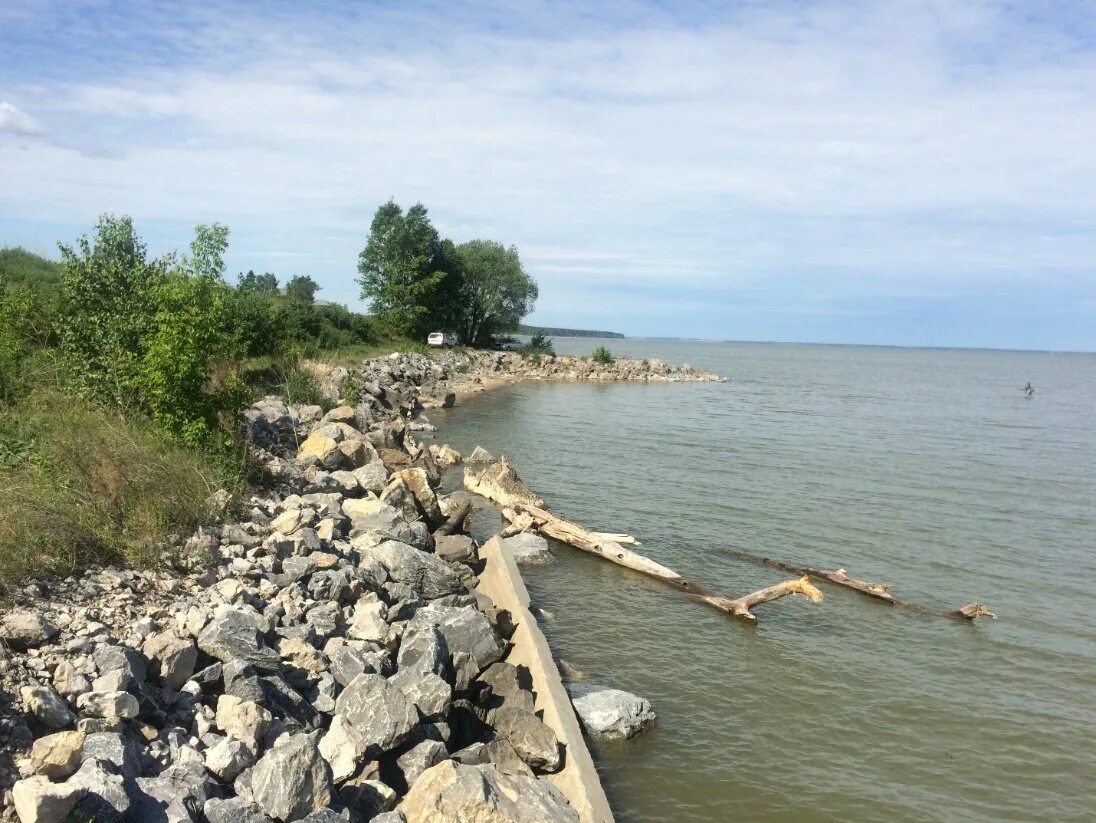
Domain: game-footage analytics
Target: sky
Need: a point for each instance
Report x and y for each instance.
(899, 173)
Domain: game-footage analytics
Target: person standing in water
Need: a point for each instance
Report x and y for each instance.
(1029, 390)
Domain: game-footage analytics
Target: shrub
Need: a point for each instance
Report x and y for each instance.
(537, 347)
(602, 355)
(351, 391)
(149, 335)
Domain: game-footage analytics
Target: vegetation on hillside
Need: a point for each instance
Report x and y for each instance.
(122, 375)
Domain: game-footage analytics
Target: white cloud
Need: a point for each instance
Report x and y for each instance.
(17, 122)
(892, 143)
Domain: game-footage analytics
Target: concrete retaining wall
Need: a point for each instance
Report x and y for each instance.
(578, 779)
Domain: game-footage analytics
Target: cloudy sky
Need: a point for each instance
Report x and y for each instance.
(918, 173)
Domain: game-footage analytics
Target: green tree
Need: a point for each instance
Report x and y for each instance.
(496, 293)
(404, 271)
(302, 288)
(252, 283)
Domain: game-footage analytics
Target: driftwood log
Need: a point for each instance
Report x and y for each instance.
(454, 524)
(879, 591)
(501, 484)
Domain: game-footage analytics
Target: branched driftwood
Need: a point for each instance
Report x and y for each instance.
(879, 591)
(500, 483)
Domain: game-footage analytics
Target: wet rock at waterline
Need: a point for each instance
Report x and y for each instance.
(610, 714)
(528, 549)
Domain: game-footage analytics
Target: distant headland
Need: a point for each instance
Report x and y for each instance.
(549, 332)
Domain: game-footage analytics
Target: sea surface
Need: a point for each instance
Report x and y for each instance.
(927, 469)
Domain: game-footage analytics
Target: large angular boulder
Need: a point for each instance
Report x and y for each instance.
(57, 755)
(453, 793)
(176, 795)
(22, 629)
(610, 714)
(120, 668)
(243, 720)
(418, 481)
(292, 779)
(44, 704)
(426, 573)
(465, 630)
(530, 736)
(172, 658)
(233, 635)
(323, 449)
(380, 714)
(110, 706)
(37, 800)
(233, 810)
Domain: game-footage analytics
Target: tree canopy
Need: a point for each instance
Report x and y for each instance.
(418, 282)
(403, 269)
(302, 288)
(495, 290)
(266, 283)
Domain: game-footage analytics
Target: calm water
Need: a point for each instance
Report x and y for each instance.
(925, 468)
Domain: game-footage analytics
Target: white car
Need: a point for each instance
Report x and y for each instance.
(441, 340)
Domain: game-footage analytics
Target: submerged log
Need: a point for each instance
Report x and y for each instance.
(501, 484)
(879, 591)
(838, 577)
(573, 534)
(971, 611)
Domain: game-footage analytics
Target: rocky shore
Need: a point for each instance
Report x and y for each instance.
(321, 654)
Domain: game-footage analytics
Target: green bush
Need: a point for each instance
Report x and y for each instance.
(351, 391)
(150, 335)
(602, 355)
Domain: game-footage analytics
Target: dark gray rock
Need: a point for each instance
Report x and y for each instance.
(426, 573)
(423, 650)
(233, 810)
(292, 779)
(347, 663)
(465, 629)
(104, 797)
(177, 795)
(377, 711)
(234, 636)
(123, 663)
(419, 758)
(114, 749)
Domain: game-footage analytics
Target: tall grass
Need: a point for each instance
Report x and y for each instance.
(80, 485)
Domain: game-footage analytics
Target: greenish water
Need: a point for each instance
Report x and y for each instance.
(928, 469)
